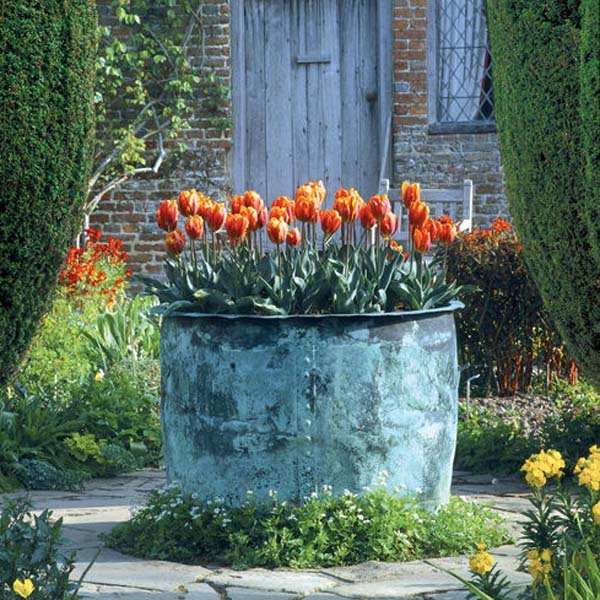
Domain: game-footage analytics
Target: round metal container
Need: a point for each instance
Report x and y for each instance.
(294, 403)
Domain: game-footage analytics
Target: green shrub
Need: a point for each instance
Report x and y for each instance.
(30, 549)
(504, 332)
(546, 91)
(41, 475)
(323, 531)
(47, 63)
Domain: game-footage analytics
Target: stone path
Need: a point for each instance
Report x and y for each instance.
(117, 576)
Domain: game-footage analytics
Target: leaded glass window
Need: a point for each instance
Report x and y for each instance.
(464, 68)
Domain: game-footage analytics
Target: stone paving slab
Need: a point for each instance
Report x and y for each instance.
(115, 576)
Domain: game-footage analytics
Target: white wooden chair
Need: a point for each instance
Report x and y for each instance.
(456, 202)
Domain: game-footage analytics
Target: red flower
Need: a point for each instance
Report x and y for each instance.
(194, 227)
(250, 213)
(167, 215)
(188, 203)
(217, 217)
(366, 217)
(347, 203)
(418, 213)
(331, 221)
(253, 200)
(236, 226)
(288, 206)
(446, 229)
(379, 206)
(236, 204)
(277, 230)
(389, 225)
(175, 242)
(422, 240)
(294, 237)
(411, 192)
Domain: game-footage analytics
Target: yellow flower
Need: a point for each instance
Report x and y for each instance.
(23, 588)
(588, 470)
(540, 467)
(540, 564)
(481, 562)
(99, 376)
(596, 512)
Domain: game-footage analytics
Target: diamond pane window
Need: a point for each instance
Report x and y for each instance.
(464, 77)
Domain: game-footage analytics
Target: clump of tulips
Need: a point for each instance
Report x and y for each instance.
(299, 257)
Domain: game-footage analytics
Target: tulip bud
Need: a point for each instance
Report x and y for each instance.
(236, 226)
(422, 240)
(388, 225)
(217, 218)
(167, 215)
(418, 213)
(277, 230)
(411, 192)
(379, 206)
(175, 242)
(331, 221)
(367, 220)
(194, 227)
(294, 237)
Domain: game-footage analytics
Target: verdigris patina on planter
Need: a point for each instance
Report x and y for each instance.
(293, 403)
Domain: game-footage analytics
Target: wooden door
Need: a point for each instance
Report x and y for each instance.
(311, 93)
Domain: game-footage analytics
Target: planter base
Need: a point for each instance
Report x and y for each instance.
(292, 404)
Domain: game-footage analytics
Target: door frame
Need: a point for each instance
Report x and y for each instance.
(238, 91)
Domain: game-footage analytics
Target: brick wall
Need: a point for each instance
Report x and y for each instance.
(129, 212)
(434, 159)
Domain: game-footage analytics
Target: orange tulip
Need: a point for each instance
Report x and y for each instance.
(236, 204)
(294, 237)
(379, 206)
(205, 208)
(319, 190)
(411, 192)
(330, 221)
(288, 205)
(446, 229)
(418, 213)
(307, 210)
(433, 227)
(236, 227)
(395, 246)
(217, 218)
(367, 220)
(175, 242)
(167, 215)
(194, 227)
(347, 203)
(277, 230)
(253, 199)
(388, 225)
(250, 213)
(263, 217)
(188, 202)
(422, 240)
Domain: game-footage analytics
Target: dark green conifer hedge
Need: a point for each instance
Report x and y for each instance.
(545, 70)
(47, 55)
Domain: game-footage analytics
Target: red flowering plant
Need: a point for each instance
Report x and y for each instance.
(504, 331)
(298, 257)
(96, 272)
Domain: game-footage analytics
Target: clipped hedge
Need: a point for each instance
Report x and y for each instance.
(47, 56)
(547, 114)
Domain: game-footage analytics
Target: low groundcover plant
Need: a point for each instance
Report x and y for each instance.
(305, 271)
(323, 530)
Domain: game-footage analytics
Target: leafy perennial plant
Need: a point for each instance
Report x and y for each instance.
(307, 271)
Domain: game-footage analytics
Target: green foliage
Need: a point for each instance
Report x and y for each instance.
(504, 332)
(41, 475)
(47, 52)
(546, 90)
(302, 281)
(148, 82)
(30, 548)
(571, 431)
(323, 531)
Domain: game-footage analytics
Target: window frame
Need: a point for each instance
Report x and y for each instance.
(432, 66)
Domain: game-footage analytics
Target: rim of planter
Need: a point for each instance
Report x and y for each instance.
(401, 314)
